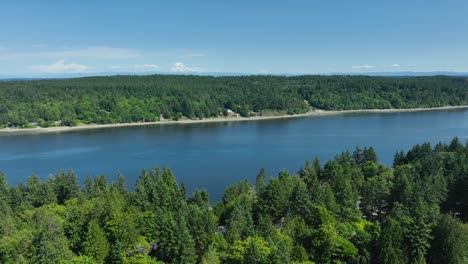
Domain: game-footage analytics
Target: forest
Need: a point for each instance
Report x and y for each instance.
(124, 99)
(352, 209)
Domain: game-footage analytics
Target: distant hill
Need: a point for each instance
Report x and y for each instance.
(408, 73)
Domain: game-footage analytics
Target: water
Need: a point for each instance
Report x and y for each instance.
(215, 155)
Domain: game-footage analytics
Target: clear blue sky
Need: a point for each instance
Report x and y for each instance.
(55, 37)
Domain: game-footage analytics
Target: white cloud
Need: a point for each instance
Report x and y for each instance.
(146, 67)
(101, 52)
(180, 67)
(62, 67)
(363, 67)
(396, 65)
(135, 68)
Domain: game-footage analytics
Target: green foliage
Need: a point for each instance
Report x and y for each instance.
(274, 201)
(391, 247)
(212, 257)
(79, 260)
(260, 182)
(233, 192)
(240, 221)
(251, 250)
(157, 188)
(310, 176)
(376, 191)
(16, 247)
(450, 241)
(49, 243)
(140, 259)
(301, 202)
(299, 254)
(37, 193)
(202, 225)
(65, 186)
(95, 244)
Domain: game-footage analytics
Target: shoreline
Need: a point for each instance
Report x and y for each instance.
(40, 130)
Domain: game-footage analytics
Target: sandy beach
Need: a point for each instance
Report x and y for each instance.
(220, 119)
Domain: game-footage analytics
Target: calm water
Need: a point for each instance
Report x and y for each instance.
(215, 155)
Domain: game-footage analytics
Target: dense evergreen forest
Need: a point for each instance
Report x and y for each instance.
(349, 210)
(119, 99)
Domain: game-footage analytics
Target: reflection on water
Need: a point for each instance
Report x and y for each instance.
(53, 154)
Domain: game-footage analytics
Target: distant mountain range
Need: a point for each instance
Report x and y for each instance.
(405, 73)
(385, 74)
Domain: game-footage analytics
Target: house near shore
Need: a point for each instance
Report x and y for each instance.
(232, 113)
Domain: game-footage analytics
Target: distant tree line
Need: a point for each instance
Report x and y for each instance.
(350, 210)
(118, 99)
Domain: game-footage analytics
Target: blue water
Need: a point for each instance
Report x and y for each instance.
(215, 155)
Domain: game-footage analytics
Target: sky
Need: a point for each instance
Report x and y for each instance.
(43, 38)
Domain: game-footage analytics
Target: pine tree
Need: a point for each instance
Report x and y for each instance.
(240, 223)
(327, 198)
(143, 196)
(202, 226)
(120, 185)
(369, 155)
(317, 167)
(309, 175)
(101, 186)
(4, 187)
(89, 187)
(167, 236)
(96, 244)
(260, 182)
(450, 242)
(5, 208)
(391, 243)
(399, 159)
(186, 246)
(375, 195)
(39, 193)
(301, 202)
(65, 186)
(252, 254)
(183, 191)
(358, 156)
(49, 243)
